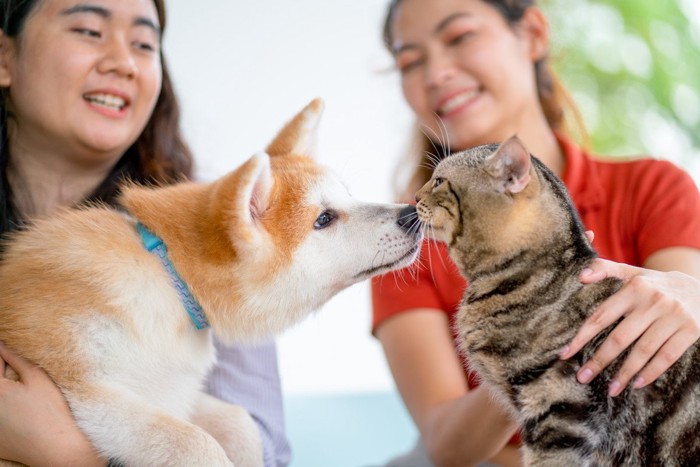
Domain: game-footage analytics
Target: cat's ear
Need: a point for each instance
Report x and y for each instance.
(300, 134)
(510, 166)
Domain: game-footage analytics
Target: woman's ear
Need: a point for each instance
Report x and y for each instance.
(7, 50)
(535, 25)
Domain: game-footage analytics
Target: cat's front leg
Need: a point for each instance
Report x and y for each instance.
(234, 429)
(129, 430)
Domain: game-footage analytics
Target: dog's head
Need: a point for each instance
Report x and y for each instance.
(277, 237)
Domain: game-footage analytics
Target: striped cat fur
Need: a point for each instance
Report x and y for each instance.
(514, 233)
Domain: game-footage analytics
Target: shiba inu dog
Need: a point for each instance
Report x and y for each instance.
(119, 309)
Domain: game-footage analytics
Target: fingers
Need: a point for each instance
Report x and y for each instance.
(650, 343)
(609, 311)
(606, 314)
(671, 351)
(600, 269)
(658, 327)
(21, 366)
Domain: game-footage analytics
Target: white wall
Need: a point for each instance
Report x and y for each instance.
(242, 69)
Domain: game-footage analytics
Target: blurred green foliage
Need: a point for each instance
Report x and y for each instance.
(633, 67)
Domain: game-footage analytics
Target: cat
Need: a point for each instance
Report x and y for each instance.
(514, 233)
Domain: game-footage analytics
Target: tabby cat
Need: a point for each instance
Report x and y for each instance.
(515, 235)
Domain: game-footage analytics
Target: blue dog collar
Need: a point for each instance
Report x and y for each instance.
(156, 246)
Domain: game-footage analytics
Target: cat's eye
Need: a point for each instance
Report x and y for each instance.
(437, 181)
(325, 219)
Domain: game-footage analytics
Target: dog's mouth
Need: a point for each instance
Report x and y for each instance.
(404, 260)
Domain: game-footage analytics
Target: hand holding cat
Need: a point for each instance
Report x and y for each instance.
(40, 418)
(661, 313)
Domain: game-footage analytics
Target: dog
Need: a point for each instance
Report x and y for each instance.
(119, 309)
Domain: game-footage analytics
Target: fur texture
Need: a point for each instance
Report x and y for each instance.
(515, 235)
(259, 249)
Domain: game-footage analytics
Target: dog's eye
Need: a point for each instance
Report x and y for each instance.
(437, 182)
(324, 220)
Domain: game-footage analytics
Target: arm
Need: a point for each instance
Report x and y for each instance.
(247, 375)
(661, 306)
(458, 426)
(36, 426)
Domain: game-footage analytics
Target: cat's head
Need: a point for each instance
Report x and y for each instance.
(495, 197)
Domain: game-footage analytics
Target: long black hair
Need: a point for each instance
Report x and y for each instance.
(158, 156)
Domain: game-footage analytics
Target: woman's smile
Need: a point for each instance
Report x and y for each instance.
(455, 103)
(108, 103)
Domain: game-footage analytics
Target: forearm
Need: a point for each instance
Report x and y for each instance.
(467, 430)
(36, 425)
(60, 452)
(76, 452)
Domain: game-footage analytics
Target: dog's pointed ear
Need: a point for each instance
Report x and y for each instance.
(299, 135)
(257, 188)
(510, 166)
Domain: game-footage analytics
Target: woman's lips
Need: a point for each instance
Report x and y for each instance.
(456, 102)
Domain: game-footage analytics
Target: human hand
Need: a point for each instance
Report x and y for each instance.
(661, 320)
(36, 425)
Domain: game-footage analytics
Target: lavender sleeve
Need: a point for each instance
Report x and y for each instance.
(247, 375)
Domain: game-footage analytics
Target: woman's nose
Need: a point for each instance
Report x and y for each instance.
(440, 70)
(118, 59)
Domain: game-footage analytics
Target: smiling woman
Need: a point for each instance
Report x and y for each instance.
(476, 72)
(114, 58)
(67, 128)
(86, 103)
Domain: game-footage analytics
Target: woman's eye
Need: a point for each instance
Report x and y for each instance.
(406, 67)
(324, 220)
(459, 38)
(408, 60)
(146, 46)
(88, 32)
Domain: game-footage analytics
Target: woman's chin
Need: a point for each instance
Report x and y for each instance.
(108, 142)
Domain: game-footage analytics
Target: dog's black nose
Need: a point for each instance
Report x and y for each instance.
(408, 219)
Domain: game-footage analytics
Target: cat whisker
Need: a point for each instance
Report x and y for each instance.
(446, 141)
(432, 243)
(441, 150)
(431, 161)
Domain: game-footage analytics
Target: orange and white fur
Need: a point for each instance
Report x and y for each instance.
(259, 249)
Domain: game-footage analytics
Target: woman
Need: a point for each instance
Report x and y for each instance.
(476, 72)
(87, 102)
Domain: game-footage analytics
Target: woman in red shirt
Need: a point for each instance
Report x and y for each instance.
(476, 72)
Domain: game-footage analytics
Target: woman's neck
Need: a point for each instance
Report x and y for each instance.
(42, 182)
(534, 131)
(543, 144)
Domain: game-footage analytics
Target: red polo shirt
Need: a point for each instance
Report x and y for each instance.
(635, 208)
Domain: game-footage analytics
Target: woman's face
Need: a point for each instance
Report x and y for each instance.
(464, 67)
(83, 76)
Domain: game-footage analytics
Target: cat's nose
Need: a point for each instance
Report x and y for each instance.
(408, 219)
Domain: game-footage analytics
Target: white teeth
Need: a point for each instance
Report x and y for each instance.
(456, 101)
(107, 100)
